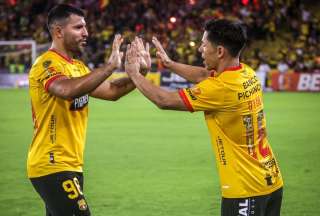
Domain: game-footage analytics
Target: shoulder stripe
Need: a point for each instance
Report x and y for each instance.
(49, 82)
(185, 100)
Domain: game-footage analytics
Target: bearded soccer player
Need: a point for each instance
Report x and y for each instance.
(230, 95)
(60, 86)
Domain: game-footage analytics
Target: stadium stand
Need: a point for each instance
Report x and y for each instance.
(284, 33)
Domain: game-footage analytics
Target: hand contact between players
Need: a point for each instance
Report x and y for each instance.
(143, 54)
(132, 64)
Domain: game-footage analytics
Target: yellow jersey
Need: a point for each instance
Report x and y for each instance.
(59, 125)
(233, 110)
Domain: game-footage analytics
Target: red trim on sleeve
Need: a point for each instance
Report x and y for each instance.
(48, 83)
(63, 56)
(185, 100)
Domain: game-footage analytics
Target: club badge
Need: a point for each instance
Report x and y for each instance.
(82, 205)
(46, 64)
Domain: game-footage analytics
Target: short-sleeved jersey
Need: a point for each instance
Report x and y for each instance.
(233, 109)
(59, 124)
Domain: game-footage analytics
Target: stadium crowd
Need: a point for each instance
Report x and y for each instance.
(285, 34)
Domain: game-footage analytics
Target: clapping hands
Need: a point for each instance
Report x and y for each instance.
(138, 56)
(143, 54)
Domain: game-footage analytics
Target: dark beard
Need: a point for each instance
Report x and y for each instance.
(75, 50)
(77, 53)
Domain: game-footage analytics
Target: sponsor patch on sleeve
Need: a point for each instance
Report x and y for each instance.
(191, 94)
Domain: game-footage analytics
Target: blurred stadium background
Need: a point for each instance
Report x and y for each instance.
(144, 161)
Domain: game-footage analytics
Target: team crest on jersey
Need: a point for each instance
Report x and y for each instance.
(82, 205)
(79, 103)
(46, 64)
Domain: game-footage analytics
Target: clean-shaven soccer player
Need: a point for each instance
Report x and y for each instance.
(231, 99)
(60, 86)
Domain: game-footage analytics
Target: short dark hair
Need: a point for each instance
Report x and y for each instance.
(230, 34)
(61, 12)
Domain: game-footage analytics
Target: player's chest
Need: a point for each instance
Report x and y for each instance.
(74, 71)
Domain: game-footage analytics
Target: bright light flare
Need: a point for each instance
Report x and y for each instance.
(173, 19)
(192, 2)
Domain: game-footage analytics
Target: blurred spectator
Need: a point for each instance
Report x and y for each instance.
(282, 66)
(178, 24)
(262, 73)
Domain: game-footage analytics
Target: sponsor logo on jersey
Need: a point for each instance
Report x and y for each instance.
(222, 154)
(248, 123)
(251, 86)
(52, 128)
(251, 91)
(79, 103)
(250, 82)
(191, 94)
(269, 163)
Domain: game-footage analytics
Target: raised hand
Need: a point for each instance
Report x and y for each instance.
(115, 58)
(132, 64)
(161, 53)
(144, 54)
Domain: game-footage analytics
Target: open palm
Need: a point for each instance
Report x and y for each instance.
(144, 54)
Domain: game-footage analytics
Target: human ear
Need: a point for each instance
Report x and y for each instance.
(221, 51)
(58, 31)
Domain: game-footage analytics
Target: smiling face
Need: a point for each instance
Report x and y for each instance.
(209, 53)
(74, 34)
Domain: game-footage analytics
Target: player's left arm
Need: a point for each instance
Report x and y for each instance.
(162, 98)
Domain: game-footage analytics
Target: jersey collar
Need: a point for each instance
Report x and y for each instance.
(61, 55)
(228, 69)
(233, 68)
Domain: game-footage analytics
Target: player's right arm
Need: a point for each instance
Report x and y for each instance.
(191, 73)
(69, 88)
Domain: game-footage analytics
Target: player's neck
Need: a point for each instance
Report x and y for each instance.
(61, 50)
(227, 64)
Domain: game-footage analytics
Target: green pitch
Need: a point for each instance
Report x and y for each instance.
(142, 161)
